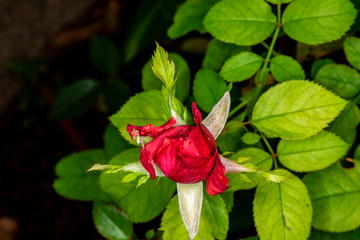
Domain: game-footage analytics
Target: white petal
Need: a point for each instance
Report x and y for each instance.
(232, 166)
(190, 202)
(137, 167)
(216, 119)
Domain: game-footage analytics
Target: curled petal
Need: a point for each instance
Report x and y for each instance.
(190, 202)
(217, 182)
(216, 119)
(149, 130)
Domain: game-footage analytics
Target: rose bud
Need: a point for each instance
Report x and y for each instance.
(185, 154)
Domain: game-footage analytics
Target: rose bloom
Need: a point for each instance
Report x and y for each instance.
(185, 154)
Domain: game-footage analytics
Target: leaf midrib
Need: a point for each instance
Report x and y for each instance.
(316, 17)
(311, 150)
(336, 195)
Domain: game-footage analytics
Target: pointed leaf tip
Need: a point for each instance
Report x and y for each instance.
(216, 119)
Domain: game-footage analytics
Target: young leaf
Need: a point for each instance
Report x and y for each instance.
(75, 99)
(257, 157)
(340, 79)
(218, 52)
(149, 81)
(311, 154)
(296, 110)
(105, 55)
(285, 68)
(318, 21)
(345, 124)
(335, 194)
(208, 89)
(111, 222)
(142, 109)
(318, 64)
(241, 67)
(114, 143)
(163, 67)
(74, 182)
(150, 197)
(250, 138)
(352, 51)
(214, 220)
(282, 211)
(241, 22)
(189, 17)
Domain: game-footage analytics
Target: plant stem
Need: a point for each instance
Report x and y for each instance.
(273, 155)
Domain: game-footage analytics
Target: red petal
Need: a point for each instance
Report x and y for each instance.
(152, 148)
(217, 182)
(196, 113)
(149, 130)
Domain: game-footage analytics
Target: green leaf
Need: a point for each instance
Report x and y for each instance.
(357, 153)
(240, 21)
(150, 82)
(318, 21)
(163, 67)
(318, 64)
(241, 66)
(189, 17)
(228, 198)
(345, 124)
(115, 94)
(111, 222)
(340, 79)
(105, 55)
(218, 52)
(285, 68)
(114, 142)
(277, 1)
(214, 220)
(335, 194)
(142, 109)
(75, 99)
(250, 138)
(282, 210)
(311, 154)
(320, 235)
(250, 238)
(208, 89)
(257, 157)
(74, 182)
(143, 203)
(352, 51)
(296, 110)
(230, 142)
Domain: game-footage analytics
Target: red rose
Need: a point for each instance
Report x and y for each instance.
(185, 154)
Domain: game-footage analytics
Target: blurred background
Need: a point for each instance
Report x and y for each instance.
(65, 66)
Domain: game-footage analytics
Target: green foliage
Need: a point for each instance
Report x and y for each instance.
(189, 17)
(283, 210)
(277, 114)
(352, 51)
(311, 154)
(208, 89)
(105, 55)
(241, 66)
(318, 64)
(340, 79)
(111, 222)
(114, 143)
(214, 221)
(317, 21)
(345, 124)
(163, 67)
(150, 82)
(151, 197)
(320, 235)
(75, 99)
(335, 194)
(285, 68)
(279, 1)
(250, 138)
(141, 109)
(218, 52)
(242, 181)
(240, 21)
(74, 182)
